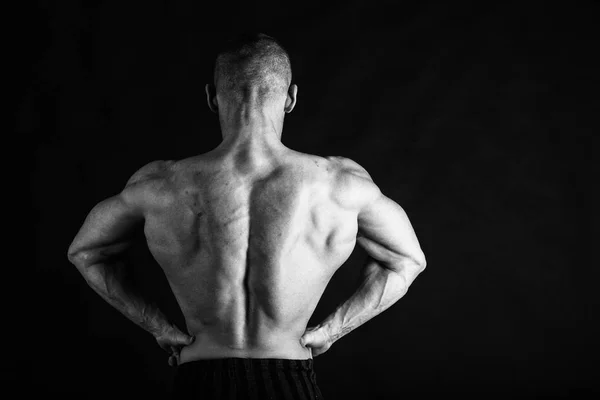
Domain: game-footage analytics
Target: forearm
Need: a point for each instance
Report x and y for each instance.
(106, 279)
(378, 290)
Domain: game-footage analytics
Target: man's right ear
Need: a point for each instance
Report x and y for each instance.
(290, 101)
(211, 97)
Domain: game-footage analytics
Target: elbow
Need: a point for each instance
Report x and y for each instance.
(408, 266)
(75, 257)
(412, 265)
(74, 253)
(421, 263)
(78, 257)
(81, 253)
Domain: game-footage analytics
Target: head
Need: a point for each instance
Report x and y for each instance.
(252, 70)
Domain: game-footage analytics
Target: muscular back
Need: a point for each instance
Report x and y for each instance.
(248, 248)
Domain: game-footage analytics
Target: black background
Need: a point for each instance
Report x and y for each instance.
(477, 119)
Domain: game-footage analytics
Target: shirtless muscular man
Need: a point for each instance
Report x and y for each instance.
(248, 236)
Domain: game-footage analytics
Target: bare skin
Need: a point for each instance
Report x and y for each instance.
(248, 236)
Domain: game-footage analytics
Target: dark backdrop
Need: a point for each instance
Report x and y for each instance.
(478, 120)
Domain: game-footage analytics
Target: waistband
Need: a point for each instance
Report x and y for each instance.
(247, 363)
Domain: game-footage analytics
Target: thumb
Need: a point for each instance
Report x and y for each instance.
(307, 339)
(303, 340)
(182, 338)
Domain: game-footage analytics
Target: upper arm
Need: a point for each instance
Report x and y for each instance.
(386, 233)
(384, 230)
(107, 229)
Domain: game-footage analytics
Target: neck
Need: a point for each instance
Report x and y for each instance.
(252, 133)
(249, 123)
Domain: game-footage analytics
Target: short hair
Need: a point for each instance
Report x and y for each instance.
(252, 61)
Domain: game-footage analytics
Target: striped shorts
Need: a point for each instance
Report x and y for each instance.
(246, 378)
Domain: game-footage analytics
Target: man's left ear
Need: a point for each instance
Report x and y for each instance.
(211, 97)
(290, 101)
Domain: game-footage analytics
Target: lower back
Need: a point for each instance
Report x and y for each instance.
(271, 343)
(261, 316)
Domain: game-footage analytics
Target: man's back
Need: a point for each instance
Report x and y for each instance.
(249, 245)
(248, 236)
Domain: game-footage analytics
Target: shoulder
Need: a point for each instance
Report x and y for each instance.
(150, 185)
(353, 185)
(154, 170)
(346, 166)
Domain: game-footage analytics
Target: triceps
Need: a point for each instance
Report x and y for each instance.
(106, 233)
